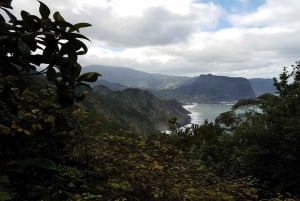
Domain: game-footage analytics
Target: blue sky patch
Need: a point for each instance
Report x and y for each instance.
(237, 6)
(234, 7)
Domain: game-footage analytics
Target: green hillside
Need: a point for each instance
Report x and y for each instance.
(54, 147)
(135, 109)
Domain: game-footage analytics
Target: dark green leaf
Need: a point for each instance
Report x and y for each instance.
(58, 17)
(72, 60)
(24, 14)
(77, 26)
(51, 74)
(37, 59)
(5, 3)
(82, 25)
(60, 21)
(64, 138)
(66, 48)
(5, 196)
(73, 46)
(79, 44)
(38, 162)
(44, 10)
(75, 71)
(89, 77)
(64, 24)
(21, 85)
(84, 85)
(62, 123)
(4, 179)
(23, 47)
(80, 52)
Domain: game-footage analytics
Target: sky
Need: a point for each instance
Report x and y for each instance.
(239, 38)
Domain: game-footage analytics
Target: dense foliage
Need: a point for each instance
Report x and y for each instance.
(53, 149)
(36, 128)
(258, 138)
(135, 109)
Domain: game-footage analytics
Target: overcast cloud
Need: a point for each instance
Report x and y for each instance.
(249, 38)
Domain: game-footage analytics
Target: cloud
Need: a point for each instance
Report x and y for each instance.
(272, 13)
(185, 37)
(156, 25)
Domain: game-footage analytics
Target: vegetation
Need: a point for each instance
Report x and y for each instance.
(258, 138)
(53, 149)
(135, 109)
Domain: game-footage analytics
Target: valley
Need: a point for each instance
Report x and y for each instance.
(124, 95)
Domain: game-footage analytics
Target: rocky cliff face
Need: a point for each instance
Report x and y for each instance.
(261, 86)
(211, 88)
(135, 109)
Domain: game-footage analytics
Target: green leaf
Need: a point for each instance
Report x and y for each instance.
(23, 47)
(38, 162)
(58, 17)
(6, 3)
(82, 25)
(75, 71)
(51, 74)
(63, 138)
(89, 77)
(24, 14)
(81, 84)
(37, 59)
(64, 24)
(81, 89)
(62, 123)
(44, 10)
(5, 196)
(77, 26)
(4, 130)
(4, 179)
(79, 44)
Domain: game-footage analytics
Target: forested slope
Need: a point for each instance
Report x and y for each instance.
(51, 148)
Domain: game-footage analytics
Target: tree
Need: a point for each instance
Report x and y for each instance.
(31, 41)
(37, 130)
(265, 134)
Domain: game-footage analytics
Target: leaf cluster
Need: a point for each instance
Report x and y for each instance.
(45, 44)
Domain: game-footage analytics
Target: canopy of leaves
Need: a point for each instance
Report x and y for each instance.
(52, 149)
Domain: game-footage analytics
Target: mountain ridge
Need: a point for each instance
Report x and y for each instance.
(136, 79)
(183, 88)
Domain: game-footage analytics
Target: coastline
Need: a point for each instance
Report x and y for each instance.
(199, 112)
(194, 115)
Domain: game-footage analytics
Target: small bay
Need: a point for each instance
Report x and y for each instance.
(201, 112)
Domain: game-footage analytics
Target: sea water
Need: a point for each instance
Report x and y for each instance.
(199, 112)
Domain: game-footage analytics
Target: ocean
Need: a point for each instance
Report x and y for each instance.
(202, 112)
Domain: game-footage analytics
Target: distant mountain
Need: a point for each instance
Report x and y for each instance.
(135, 109)
(205, 88)
(211, 88)
(109, 85)
(261, 86)
(136, 79)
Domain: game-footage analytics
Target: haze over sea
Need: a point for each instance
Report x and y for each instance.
(201, 112)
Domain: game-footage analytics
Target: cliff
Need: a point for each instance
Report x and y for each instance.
(135, 109)
(211, 88)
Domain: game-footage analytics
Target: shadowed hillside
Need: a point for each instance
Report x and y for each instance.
(135, 109)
